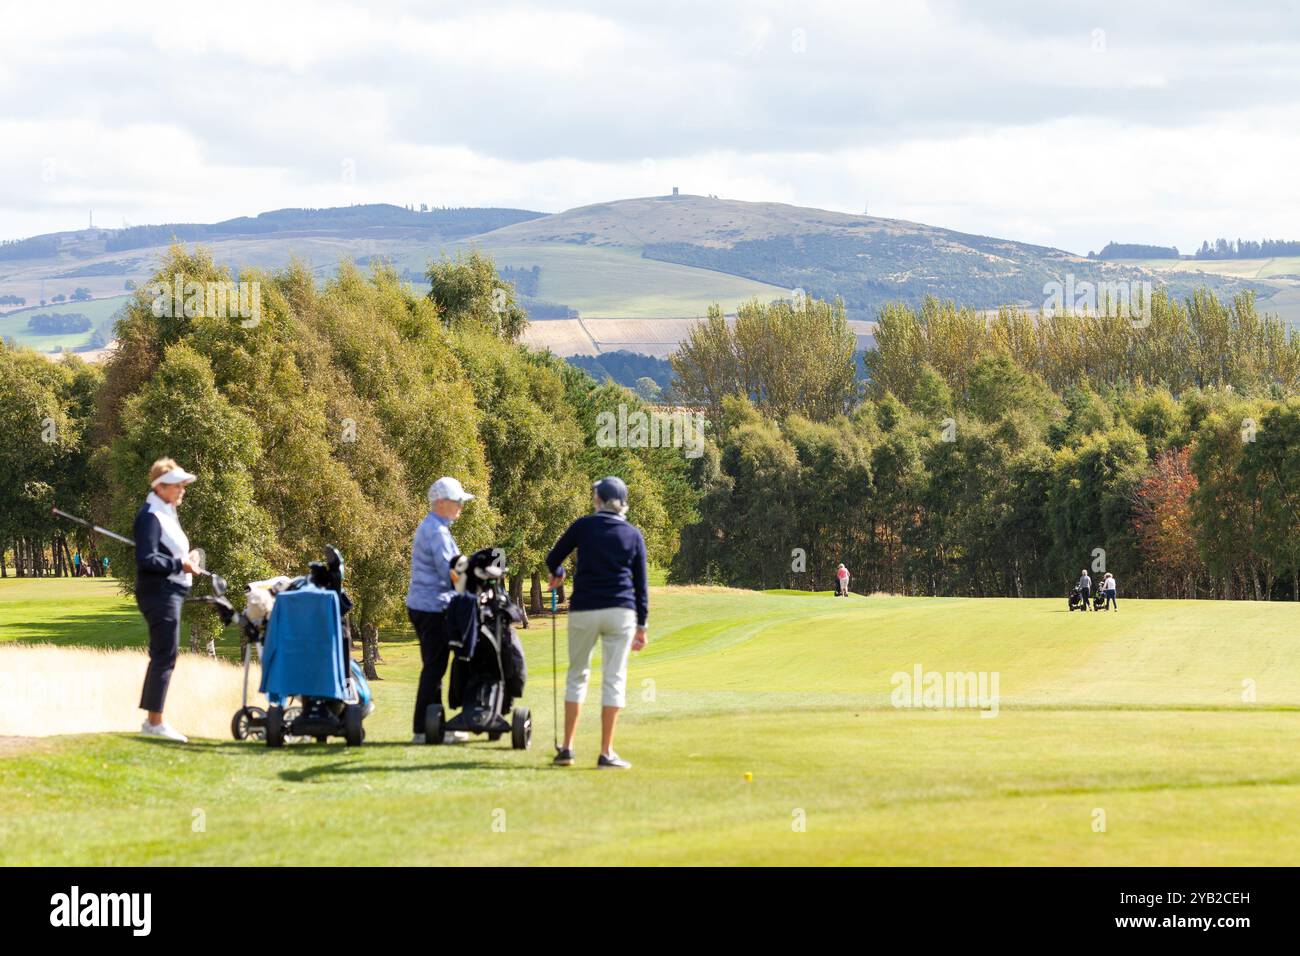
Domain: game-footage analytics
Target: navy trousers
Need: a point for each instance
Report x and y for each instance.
(162, 612)
(431, 628)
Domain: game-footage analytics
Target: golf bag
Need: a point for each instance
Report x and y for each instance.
(1076, 598)
(308, 656)
(313, 686)
(488, 670)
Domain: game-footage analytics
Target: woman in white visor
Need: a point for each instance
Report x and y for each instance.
(164, 568)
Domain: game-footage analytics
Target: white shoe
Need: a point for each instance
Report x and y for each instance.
(455, 737)
(162, 730)
(417, 739)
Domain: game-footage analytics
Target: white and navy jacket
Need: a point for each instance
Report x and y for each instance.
(160, 548)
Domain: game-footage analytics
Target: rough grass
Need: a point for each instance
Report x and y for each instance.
(47, 690)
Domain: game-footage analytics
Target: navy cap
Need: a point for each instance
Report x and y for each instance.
(611, 489)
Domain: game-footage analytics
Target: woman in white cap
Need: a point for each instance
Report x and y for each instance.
(429, 594)
(164, 572)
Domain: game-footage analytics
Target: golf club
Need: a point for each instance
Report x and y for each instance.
(555, 685)
(218, 582)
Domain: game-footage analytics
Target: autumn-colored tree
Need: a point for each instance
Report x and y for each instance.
(1162, 518)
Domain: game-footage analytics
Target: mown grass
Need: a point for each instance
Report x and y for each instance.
(1170, 723)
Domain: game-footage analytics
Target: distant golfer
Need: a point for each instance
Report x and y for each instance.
(610, 602)
(427, 597)
(842, 581)
(1085, 588)
(1108, 590)
(164, 566)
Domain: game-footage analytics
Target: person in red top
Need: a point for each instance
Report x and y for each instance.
(841, 581)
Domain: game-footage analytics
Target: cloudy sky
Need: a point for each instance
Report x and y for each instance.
(1063, 123)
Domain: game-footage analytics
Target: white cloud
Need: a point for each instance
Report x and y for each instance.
(993, 118)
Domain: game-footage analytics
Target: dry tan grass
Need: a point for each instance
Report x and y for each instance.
(47, 690)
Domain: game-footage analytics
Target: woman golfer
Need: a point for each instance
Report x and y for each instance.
(164, 568)
(609, 602)
(429, 593)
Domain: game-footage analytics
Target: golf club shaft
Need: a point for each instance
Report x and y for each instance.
(94, 527)
(106, 533)
(555, 682)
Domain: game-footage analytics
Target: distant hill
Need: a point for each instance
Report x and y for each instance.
(865, 260)
(347, 220)
(626, 275)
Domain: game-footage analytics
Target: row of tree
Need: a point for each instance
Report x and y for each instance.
(963, 471)
(324, 423)
(1198, 343)
(1247, 248)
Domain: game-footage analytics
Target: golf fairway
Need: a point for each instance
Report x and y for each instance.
(1164, 734)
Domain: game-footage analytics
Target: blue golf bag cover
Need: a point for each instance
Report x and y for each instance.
(306, 648)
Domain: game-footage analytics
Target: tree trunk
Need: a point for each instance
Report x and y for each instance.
(370, 651)
(535, 594)
(67, 554)
(194, 639)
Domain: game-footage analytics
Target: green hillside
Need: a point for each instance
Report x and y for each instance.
(650, 258)
(865, 260)
(100, 311)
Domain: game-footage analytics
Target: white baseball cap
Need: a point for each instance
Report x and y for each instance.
(448, 489)
(177, 476)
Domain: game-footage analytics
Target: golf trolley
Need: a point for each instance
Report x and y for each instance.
(248, 721)
(488, 670)
(314, 688)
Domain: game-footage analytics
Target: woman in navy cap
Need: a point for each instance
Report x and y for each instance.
(609, 602)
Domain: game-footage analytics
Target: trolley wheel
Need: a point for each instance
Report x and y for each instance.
(521, 729)
(239, 724)
(256, 723)
(434, 722)
(353, 731)
(275, 727)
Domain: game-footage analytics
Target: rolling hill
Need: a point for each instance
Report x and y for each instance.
(631, 274)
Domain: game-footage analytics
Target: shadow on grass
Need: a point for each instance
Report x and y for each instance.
(309, 750)
(90, 628)
(349, 769)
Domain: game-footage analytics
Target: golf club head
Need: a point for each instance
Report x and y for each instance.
(218, 585)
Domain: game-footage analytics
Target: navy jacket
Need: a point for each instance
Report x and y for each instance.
(154, 561)
(611, 564)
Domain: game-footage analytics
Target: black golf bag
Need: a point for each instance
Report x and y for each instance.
(1076, 598)
(488, 671)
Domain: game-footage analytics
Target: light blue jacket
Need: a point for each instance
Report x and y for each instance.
(431, 555)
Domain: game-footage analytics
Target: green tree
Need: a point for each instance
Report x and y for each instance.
(467, 290)
(179, 413)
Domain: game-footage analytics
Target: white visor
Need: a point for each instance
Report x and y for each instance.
(177, 476)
